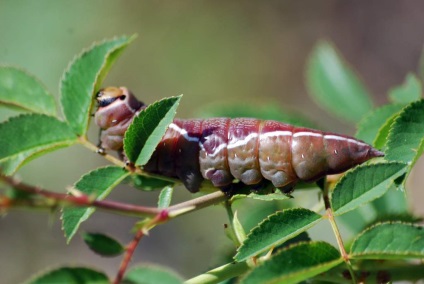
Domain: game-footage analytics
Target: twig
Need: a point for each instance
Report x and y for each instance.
(128, 255)
(336, 231)
(118, 207)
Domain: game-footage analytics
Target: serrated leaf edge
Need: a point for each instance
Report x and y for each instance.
(282, 240)
(41, 84)
(83, 53)
(56, 144)
(391, 133)
(380, 252)
(89, 212)
(356, 169)
(289, 275)
(144, 110)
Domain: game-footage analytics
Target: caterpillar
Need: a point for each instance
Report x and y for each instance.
(254, 152)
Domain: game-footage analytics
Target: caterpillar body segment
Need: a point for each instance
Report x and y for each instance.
(255, 152)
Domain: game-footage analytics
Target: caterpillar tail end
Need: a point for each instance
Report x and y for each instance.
(374, 153)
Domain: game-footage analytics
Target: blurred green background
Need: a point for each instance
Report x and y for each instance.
(213, 52)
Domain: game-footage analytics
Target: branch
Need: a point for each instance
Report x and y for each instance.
(128, 255)
(118, 207)
(336, 231)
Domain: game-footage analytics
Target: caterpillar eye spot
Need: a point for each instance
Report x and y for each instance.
(99, 94)
(122, 97)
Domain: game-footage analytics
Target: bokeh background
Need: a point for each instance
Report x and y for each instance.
(213, 52)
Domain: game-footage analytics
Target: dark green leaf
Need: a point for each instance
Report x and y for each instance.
(268, 111)
(102, 244)
(335, 86)
(84, 77)
(21, 90)
(405, 140)
(165, 197)
(71, 275)
(275, 230)
(148, 128)
(147, 183)
(372, 124)
(98, 183)
(408, 92)
(26, 135)
(295, 263)
(364, 184)
(151, 275)
(390, 240)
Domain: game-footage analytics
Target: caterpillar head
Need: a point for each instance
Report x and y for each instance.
(116, 108)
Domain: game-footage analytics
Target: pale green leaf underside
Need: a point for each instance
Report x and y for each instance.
(83, 77)
(22, 90)
(364, 184)
(148, 128)
(335, 86)
(405, 140)
(70, 275)
(97, 183)
(371, 125)
(151, 275)
(390, 240)
(165, 197)
(275, 230)
(294, 264)
(26, 135)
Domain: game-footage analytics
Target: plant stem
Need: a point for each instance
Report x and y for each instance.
(231, 224)
(197, 203)
(118, 207)
(220, 274)
(336, 231)
(128, 255)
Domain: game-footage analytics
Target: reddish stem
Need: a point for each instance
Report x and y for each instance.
(83, 200)
(128, 255)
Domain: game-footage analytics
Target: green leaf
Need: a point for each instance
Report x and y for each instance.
(390, 240)
(373, 123)
(239, 231)
(84, 77)
(22, 90)
(165, 197)
(148, 128)
(151, 275)
(266, 112)
(71, 275)
(335, 86)
(10, 166)
(147, 183)
(364, 184)
(295, 263)
(405, 140)
(408, 92)
(97, 183)
(102, 244)
(25, 135)
(275, 230)
(381, 139)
